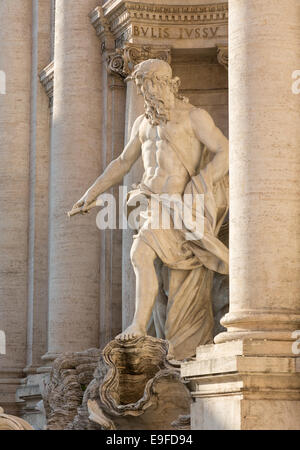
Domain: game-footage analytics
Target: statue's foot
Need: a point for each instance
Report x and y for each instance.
(131, 332)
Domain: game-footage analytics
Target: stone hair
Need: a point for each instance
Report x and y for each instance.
(156, 110)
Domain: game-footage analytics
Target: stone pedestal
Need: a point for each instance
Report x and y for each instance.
(29, 399)
(245, 385)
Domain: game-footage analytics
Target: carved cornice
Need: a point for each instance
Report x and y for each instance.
(47, 79)
(123, 60)
(132, 20)
(222, 55)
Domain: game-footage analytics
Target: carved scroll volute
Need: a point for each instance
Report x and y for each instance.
(123, 60)
(115, 64)
(222, 55)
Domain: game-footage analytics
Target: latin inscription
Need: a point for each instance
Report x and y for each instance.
(175, 33)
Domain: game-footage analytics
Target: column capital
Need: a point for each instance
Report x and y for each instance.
(123, 60)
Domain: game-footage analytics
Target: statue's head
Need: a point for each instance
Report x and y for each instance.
(154, 81)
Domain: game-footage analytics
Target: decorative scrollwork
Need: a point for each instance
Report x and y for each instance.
(123, 60)
(222, 55)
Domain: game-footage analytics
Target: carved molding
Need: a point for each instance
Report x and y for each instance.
(222, 55)
(47, 79)
(123, 60)
(130, 21)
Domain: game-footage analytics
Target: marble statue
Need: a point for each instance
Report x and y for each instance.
(183, 153)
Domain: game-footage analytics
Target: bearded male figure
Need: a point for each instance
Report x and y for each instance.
(183, 152)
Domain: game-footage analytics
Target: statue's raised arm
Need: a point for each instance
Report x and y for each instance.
(113, 174)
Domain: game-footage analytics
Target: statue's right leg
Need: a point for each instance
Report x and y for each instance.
(142, 258)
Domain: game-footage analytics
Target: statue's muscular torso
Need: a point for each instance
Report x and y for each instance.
(164, 172)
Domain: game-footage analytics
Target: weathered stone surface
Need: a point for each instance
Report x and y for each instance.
(70, 377)
(131, 386)
(245, 384)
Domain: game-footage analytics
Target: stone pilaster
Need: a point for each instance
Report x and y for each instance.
(253, 382)
(74, 245)
(15, 62)
(114, 97)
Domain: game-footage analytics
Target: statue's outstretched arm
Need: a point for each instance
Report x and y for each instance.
(114, 172)
(213, 138)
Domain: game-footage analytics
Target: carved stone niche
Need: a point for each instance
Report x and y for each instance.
(142, 390)
(130, 385)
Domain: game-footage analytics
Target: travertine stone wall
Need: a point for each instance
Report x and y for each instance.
(205, 82)
(15, 61)
(74, 245)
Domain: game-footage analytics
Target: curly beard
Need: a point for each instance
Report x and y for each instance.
(156, 110)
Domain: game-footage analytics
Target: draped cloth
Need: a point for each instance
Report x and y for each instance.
(188, 318)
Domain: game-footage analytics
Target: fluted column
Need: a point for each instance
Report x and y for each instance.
(39, 185)
(74, 245)
(15, 62)
(264, 170)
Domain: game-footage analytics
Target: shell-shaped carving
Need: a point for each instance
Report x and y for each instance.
(134, 366)
(141, 389)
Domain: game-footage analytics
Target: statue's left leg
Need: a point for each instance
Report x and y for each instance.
(142, 258)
